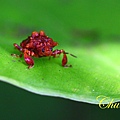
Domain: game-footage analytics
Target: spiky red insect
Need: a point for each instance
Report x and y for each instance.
(39, 45)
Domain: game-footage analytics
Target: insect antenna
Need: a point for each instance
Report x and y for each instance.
(71, 54)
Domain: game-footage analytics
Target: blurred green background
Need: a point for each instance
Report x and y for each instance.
(77, 23)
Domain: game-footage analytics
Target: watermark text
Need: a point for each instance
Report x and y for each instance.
(102, 100)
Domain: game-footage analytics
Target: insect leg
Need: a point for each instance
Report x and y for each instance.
(28, 60)
(19, 48)
(64, 59)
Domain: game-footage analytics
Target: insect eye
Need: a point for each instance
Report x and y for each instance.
(43, 50)
(51, 49)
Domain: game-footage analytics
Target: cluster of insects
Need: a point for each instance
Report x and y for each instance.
(39, 45)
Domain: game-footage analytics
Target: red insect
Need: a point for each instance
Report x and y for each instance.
(39, 45)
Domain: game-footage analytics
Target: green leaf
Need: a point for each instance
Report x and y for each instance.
(95, 71)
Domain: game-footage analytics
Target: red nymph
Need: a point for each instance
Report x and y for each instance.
(39, 45)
